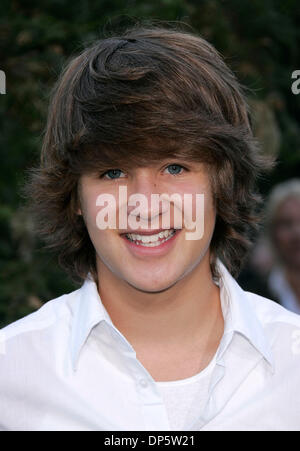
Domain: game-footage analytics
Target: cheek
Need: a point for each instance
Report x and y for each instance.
(90, 211)
(101, 239)
(201, 205)
(89, 207)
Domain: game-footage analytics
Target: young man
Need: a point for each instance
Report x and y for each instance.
(160, 336)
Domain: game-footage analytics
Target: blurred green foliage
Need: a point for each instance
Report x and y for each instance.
(259, 40)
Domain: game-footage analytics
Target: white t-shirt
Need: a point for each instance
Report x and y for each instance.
(185, 399)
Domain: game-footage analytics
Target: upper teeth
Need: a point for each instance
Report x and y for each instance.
(150, 238)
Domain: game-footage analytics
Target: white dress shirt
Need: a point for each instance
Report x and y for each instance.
(67, 367)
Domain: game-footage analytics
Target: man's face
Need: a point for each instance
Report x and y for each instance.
(143, 258)
(286, 232)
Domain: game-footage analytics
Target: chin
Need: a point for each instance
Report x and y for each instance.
(148, 286)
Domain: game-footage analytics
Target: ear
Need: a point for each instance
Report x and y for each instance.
(79, 212)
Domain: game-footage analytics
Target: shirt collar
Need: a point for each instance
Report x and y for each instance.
(89, 311)
(239, 315)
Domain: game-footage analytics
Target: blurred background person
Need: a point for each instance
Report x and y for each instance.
(254, 275)
(282, 232)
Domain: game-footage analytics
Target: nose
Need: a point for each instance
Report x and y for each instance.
(140, 194)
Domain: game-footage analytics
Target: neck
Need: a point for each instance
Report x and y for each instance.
(187, 311)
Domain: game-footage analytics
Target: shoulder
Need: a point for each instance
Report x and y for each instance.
(270, 312)
(52, 316)
(33, 353)
(282, 329)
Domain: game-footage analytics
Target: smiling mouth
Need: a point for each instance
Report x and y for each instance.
(154, 240)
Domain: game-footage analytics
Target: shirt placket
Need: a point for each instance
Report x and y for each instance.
(153, 410)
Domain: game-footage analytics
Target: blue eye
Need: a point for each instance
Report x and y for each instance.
(174, 169)
(112, 174)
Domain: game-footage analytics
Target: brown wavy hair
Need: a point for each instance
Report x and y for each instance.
(152, 91)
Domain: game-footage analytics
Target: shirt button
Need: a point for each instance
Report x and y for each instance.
(143, 383)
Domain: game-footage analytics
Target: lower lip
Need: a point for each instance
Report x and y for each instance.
(162, 249)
